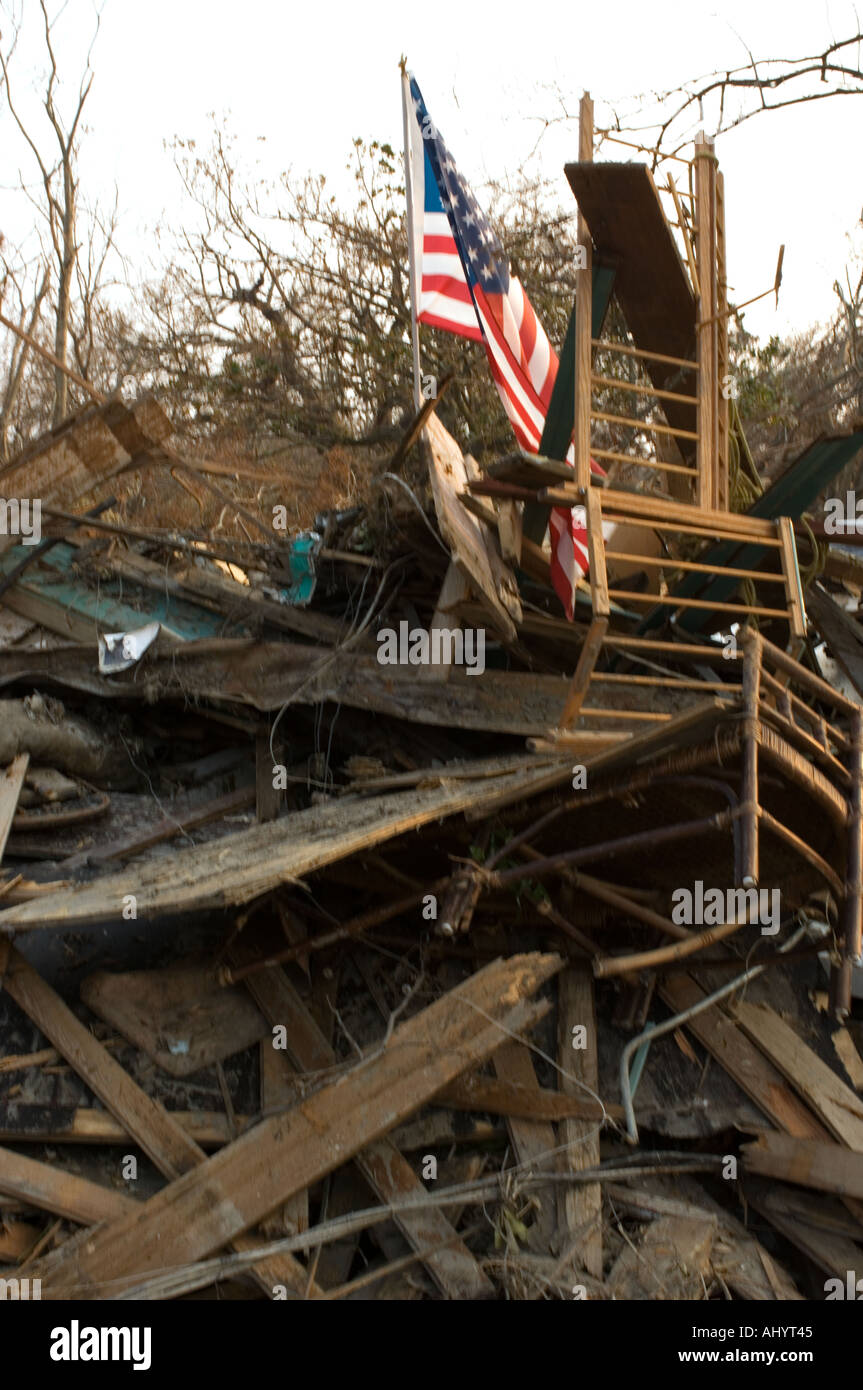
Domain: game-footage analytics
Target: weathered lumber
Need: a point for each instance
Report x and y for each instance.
(179, 1015)
(151, 1126)
(474, 547)
(580, 1206)
(453, 1268)
(201, 1211)
(836, 1105)
(50, 1188)
(826, 1167)
(11, 782)
(254, 861)
(534, 1141)
(39, 1124)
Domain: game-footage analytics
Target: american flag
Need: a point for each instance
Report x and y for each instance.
(466, 287)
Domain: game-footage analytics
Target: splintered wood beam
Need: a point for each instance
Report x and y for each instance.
(453, 1268)
(580, 1206)
(252, 862)
(204, 1209)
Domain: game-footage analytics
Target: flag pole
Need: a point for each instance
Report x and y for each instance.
(412, 268)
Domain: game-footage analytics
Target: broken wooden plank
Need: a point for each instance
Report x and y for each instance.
(50, 1188)
(473, 547)
(826, 1167)
(836, 1105)
(145, 1120)
(743, 1061)
(252, 862)
(11, 782)
(390, 1175)
(580, 1206)
(278, 1090)
(201, 1211)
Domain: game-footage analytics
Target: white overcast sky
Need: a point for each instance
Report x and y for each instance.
(310, 77)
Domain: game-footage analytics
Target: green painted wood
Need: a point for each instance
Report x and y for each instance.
(111, 606)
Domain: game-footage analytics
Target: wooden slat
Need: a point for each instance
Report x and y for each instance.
(679, 516)
(580, 1206)
(791, 574)
(391, 1176)
(146, 1121)
(637, 424)
(596, 555)
(199, 1212)
(639, 388)
(533, 1140)
(825, 1167)
(630, 351)
(838, 1107)
(583, 311)
(707, 337)
(11, 782)
(615, 457)
(51, 1189)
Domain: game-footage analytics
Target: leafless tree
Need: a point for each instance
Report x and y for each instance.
(57, 160)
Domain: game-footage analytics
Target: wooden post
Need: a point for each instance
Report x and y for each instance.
(749, 807)
(706, 332)
(721, 498)
(583, 311)
(580, 1206)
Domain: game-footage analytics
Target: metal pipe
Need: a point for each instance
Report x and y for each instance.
(646, 839)
(669, 1024)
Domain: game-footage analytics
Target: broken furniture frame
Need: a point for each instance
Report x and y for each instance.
(606, 508)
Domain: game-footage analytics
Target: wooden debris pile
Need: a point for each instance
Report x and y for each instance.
(370, 930)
